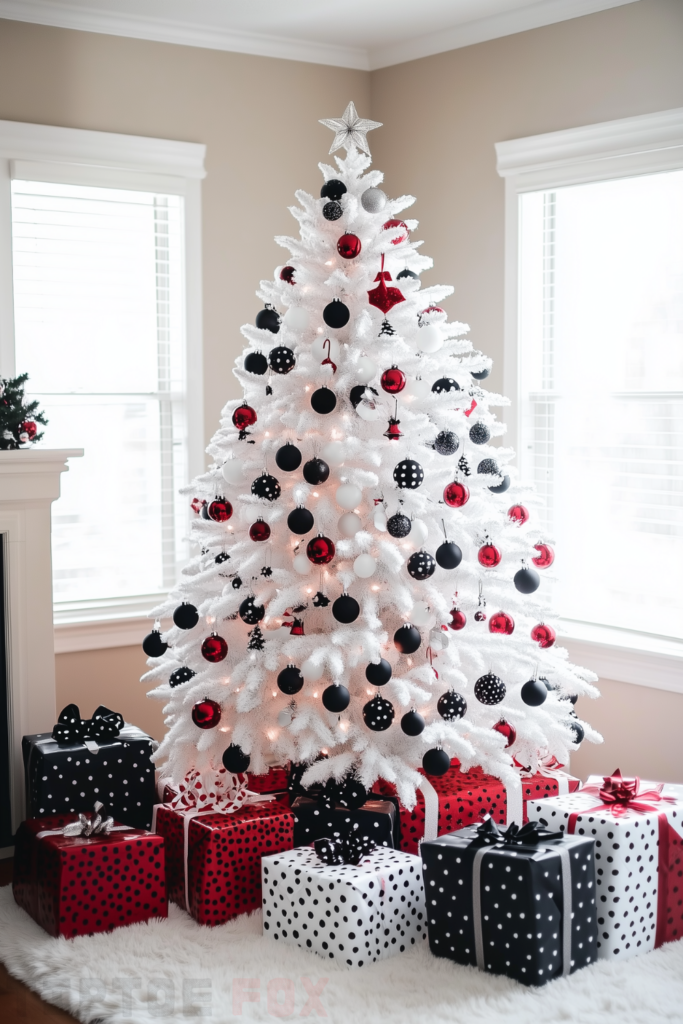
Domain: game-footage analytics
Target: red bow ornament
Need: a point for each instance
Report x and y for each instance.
(382, 297)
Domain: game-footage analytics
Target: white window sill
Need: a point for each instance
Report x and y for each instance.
(97, 625)
(625, 656)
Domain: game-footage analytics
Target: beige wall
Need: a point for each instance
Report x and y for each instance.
(442, 115)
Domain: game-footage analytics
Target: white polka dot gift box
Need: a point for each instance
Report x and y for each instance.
(519, 902)
(638, 829)
(353, 913)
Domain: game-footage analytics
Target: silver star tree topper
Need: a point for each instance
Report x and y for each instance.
(350, 129)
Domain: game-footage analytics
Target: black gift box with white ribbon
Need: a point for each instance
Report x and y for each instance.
(519, 903)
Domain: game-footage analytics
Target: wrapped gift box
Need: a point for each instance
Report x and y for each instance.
(213, 860)
(524, 909)
(377, 819)
(354, 913)
(79, 885)
(638, 827)
(275, 780)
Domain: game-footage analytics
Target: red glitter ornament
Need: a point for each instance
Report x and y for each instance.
(489, 556)
(382, 297)
(545, 557)
(220, 510)
(287, 274)
(320, 550)
(543, 635)
(259, 530)
(456, 494)
(214, 648)
(206, 714)
(349, 246)
(458, 619)
(244, 416)
(393, 381)
(397, 224)
(506, 730)
(503, 623)
(518, 514)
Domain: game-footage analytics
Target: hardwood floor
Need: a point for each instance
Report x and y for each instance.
(18, 1005)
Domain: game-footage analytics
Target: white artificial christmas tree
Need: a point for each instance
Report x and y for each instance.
(362, 546)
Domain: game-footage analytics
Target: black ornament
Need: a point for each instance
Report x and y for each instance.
(489, 689)
(300, 520)
(316, 471)
(436, 761)
(185, 616)
(409, 474)
(336, 314)
(266, 486)
(346, 609)
(479, 433)
(250, 611)
(449, 555)
(288, 458)
(332, 211)
(290, 680)
(235, 760)
(378, 674)
(463, 466)
(323, 401)
(255, 362)
(378, 714)
(181, 675)
(333, 189)
(320, 600)
(268, 320)
(407, 274)
(550, 687)
(527, 580)
(412, 723)
(488, 467)
(281, 359)
(578, 731)
(236, 583)
(421, 565)
(501, 487)
(445, 384)
(398, 525)
(446, 443)
(221, 557)
(153, 645)
(481, 374)
(357, 391)
(407, 639)
(336, 698)
(451, 705)
(353, 793)
(534, 693)
(205, 510)
(257, 641)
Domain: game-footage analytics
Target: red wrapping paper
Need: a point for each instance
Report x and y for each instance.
(79, 886)
(274, 781)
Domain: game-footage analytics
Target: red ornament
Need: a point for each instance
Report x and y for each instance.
(287, 274)
(468, 412)
(297, 628)
(349, 247)
(393, 381)
(30, 428)
(458, 619)
(456, 494)
(506, 730)
(432, 309)
(382, 297)
(196, 505)
(259, 530)
(320, 550)
(480, 616)
(543, 635)
(392, 431)
(518, 514)
(220, 510)
(545, 557)
(489, 556)
(503, 623)
(244, 416)
(206, 714)
(397, 224)
(214, 648)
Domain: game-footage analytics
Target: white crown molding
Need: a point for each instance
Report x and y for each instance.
(60, 14)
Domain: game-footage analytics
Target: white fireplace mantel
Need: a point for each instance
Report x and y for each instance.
(29, 483)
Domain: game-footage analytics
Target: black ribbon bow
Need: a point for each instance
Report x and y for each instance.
(530, 834)
(349, 793)
(349, 849)
(105, 725)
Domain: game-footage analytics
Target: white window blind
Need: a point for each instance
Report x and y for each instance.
(98, 292)
(601, 373)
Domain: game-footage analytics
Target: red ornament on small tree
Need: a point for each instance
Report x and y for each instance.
(320, 550)
(349, 246)
(503, 623)
(220, 510)
(397, 224)
(545, 557)
(458, 619)
(259, 530)
(214, 649)
(518, 514)
(544, 635)
(244, 416)
(206, 714)
(456, 494)
(506, 730)
(393, 381)
(489, 556)
(287, 274)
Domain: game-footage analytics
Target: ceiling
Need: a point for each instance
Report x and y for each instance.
(364, 34)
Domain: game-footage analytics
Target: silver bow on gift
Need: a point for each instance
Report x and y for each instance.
(88, 826)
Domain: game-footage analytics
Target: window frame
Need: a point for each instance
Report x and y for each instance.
(632, 146)
(110, 160)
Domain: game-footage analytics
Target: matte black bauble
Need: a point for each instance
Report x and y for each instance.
(445, 384)
(357, 391)
(407, 639)
(186, 616)
(316, 471)
(336, 698)
(288, 458)
(527, 580)
(412, 723)
(449, 555)
(336, 314)
(489, 689)
(378, 674)
(333, 189)
(578, 731)
(407, 274)
(255, 362)
(378, 714)
(235, 760)
(153, 645)
(501, 487)
(446, 443)
(436, 761)
(451, 705)
(181, 675)
(323, 401)
(534, 693)
(266, 486)
(268, 320)
(300, 520)
(332, 211)
(398, 525)
(290, 680)
(488, 467)
(421, 565)
(481, 374)
(250, 611)
(479, 433)
(346, 609)
(409, 474)
(281, 359)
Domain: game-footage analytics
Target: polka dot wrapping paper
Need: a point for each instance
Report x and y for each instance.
(275, 780)
(354, 914)
(376, 819)
(79, 886)
(505, 908)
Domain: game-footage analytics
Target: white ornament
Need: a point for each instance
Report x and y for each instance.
(320, 349)
(427, 339)
(380, 520)
(349, 524)
(310, 671)
(365, 370)
(348, 496)
(296, 318)
(333, 454)
(422, 615)
(416, 387)
(285, 718)
(301, 565)
(233, 472)
(364, 566)
(418, 532)
(373, 200)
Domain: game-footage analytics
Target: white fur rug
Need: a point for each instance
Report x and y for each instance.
(177, 971)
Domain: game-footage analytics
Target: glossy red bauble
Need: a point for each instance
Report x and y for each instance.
(214, 648)
(501, 622)
(206, 714)
(393, 381)
(545, 557)
(259, 530)
(543, 635)
(28, 427)
(220, 510)
(506, 730)
(349, 247)
(397, 224)
(518, 514)
(480, 616)
(456, 494)
(458, 619)
(244, 416)
(287, 274)
(489, 556)
(320, 550)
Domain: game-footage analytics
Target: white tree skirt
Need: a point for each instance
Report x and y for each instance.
(177, 971)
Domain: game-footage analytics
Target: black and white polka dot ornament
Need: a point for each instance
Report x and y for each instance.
(378, 714)
(255, 362)
(489, 689)
(235, 760)
(281, 359)
(412, 723)
(409, 474)
(336, 698)
(479, 433)
(436, 761)
(446, 443)
(251, 611)
(451, 705)
(186, 616)
(346, 609)
(290, 680)
(323, 401)
(288, 458)
(407, 639)
(444, 385)
(266, 486)
(398, 525)
(181, 675)
(421, 565)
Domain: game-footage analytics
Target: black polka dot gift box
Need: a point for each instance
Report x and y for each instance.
(82, 874)
(352, 913)
(86, 760)
(377, 819)
(519, 902)
(638, 832)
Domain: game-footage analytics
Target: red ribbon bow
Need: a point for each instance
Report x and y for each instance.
(622, 795)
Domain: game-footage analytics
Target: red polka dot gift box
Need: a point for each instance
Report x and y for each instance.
(75, 880)
(638, 831)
